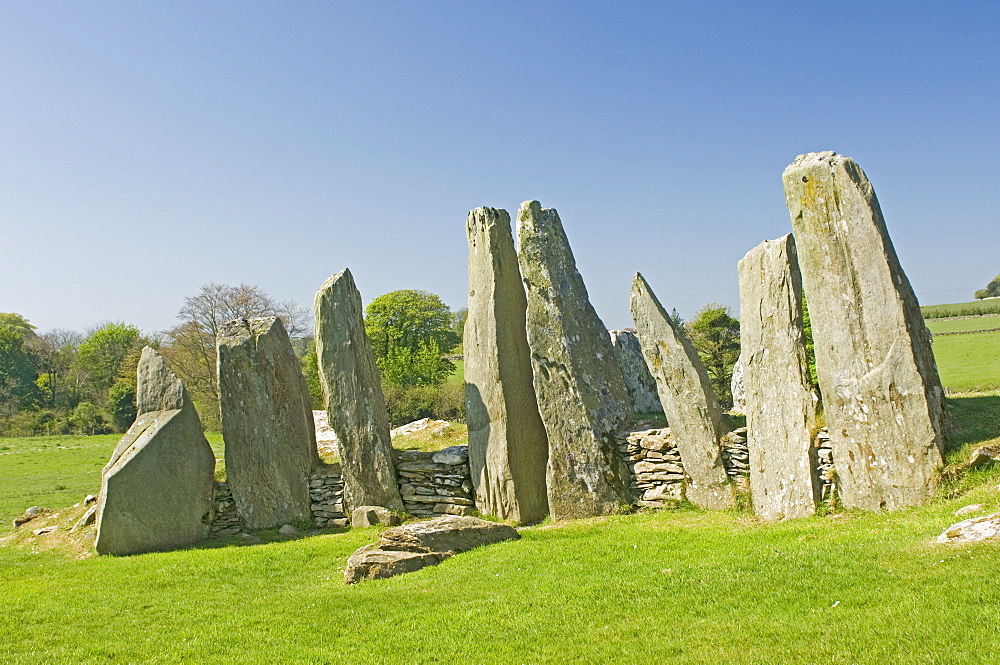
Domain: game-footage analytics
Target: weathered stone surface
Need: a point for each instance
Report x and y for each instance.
(882, 397)
(580, 390)
(372, 563)
(779, 401)
(363, 516)
(446, 534)
(972, 530)
(508, 447)
(354, 401)
(156, 491)
(266, 422)
(737, 387)
(984, 455)
(639, 383)
(410, 547)
(687, 398)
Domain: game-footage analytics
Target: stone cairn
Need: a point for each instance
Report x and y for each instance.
(326, 489)
(434, 484)
(881, 393)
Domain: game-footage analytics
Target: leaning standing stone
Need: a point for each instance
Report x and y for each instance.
(354, 401)
(779, 401)
(156, 491)
(639, 382)
(581, 393)
(881, 393)
(687, 398)
(266, 422)
(508, 448)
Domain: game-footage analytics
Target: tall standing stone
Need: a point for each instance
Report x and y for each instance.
(639, 383)
(779, 401)
(687, 398)
(581, 394)
(881, 392)
(156, 491)
(508, 447)
(266, 422)
(354, 401)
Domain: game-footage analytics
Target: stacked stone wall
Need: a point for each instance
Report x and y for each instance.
(225, 520)
(326, 489)
(434, 484)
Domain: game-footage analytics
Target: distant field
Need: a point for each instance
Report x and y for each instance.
(961, 309)
(968, 362)
(58, 471)
(957, 325)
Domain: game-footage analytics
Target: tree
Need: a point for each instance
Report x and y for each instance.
(56, 358)
(716, 335)
(101, 357)
(189, 348)
(410, 332)
(992, 289)
(18, 372)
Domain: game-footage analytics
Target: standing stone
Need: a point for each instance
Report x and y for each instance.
(266, 422)
(737, 387)
(881, 392)
(639, 383)
(156, 491)
(779, 400)
(508, 448)
(355, 405)
(581, 394)
(687, 398)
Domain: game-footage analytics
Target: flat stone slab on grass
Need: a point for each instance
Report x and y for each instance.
(410, 547)
(972, 530)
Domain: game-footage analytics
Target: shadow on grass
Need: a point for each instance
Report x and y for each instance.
(264, 537)
(976, 420)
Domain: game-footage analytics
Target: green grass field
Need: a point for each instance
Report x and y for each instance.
(967, 362)
(974, 308)
(670, 586)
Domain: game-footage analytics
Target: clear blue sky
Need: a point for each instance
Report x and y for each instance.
(147, 148)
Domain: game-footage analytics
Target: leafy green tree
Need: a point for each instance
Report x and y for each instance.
(716, 335)
(410, 332)
(18, 372)
(86, 418)
(101, 357)
(992, 289)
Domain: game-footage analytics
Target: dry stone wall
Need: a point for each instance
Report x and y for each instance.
(435, 483)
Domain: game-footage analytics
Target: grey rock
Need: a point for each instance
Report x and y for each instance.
(984, 455)
(972, 530)
(266, 422)
(44, 531)
(28, 515)
(452, 455)
(354, 401)
(89, 499)
(363, 516)
(737, 388)
(372, 563)
(779, 400)
(508, 447)
(579, 387)
(157, 488)
(289, 531)
(687, 398)
(88, 518)
(882, 396)
(446, 534)
(410, 547)
(965, 510)
(639, 383)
